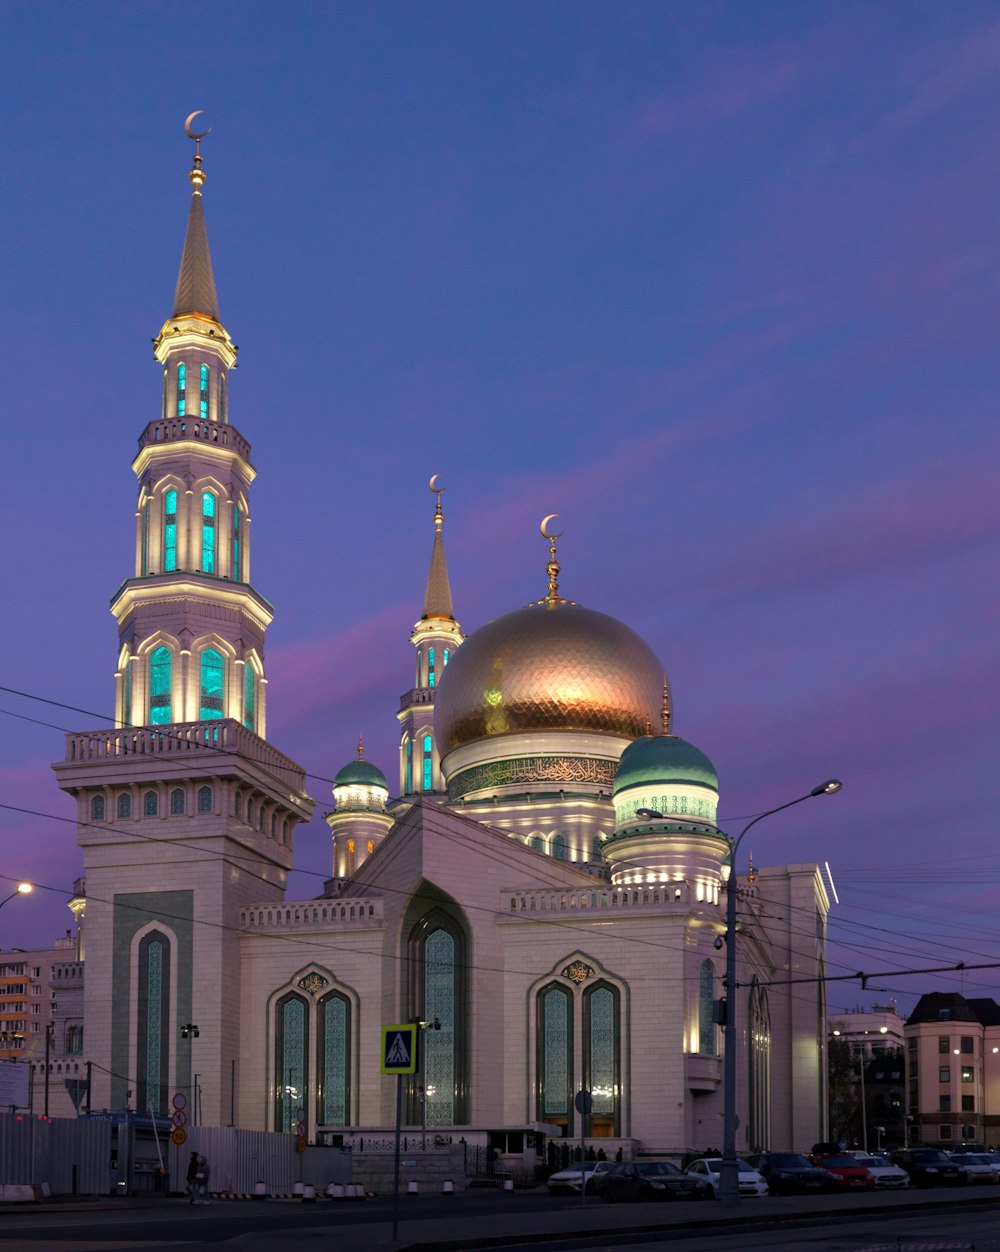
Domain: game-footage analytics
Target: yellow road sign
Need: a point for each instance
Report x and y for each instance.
(399, 1049)
(178, 1135)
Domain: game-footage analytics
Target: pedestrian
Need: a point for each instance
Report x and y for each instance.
(201, 1183)
(191, 1172)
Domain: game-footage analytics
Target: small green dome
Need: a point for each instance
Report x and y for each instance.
(361, 774)
(666, 760)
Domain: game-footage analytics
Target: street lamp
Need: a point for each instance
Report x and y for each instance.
(22, 889)
(729, 1175)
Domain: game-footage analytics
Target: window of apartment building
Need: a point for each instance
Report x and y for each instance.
(944, 1015)
(944, 1104)
(968, 1044)
(944, 1132)
(36, 990)
(36, 1009)
(913, 1068)
(912, 1043)
(968, 1104)
(944, 1073)
(943, 1041)
(967, 1074)
(968, 1132)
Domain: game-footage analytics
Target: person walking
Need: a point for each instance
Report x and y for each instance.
(192, 1170)
(201, 1183)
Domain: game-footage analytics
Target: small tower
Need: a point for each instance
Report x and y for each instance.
(359, 821)
(435, 637)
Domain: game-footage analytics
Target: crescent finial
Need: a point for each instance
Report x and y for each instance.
(438, 515)
(552, 568)
(187, 126)
(544, 528)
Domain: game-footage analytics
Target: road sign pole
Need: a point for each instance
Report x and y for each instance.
(399, 1123)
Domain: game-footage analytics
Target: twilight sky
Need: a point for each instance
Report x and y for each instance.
(716, 282)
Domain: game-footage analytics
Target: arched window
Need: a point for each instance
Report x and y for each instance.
(149, 804)
(177, 800)
(222, 397)
(371, 846)
(153, 1004)
(559, 848)
(238, 806)
(555, 1057)
(439, 992)
(428, 763)
(144, 559)
(250, 813)
(249, 697)
(160, 682)
(181, 390)
(595, 847)
(169, 531)
(97, 809)
(124, 805)
(447, 654)
(408, 744)
(706, 1009)
(759, 1068)
(601, 1053)
(208, 509)
(212, 678)
(127, 693)
(333, 1051)
(237, 545)
(203, 394)
(536, 843)
(205, 800)
(291, 1060)
(430, 667)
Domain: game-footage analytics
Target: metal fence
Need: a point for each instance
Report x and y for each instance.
(71, 1156)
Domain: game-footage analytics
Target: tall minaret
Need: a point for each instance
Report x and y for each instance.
(435, 637)
(185, 814)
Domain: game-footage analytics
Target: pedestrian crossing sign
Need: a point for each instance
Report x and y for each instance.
(399, 1049)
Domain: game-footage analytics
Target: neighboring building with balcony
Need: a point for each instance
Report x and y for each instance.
(953, 1070)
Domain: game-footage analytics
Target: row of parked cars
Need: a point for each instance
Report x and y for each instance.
(779, 1173)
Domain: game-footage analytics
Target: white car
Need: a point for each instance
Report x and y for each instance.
(709, 1168)
(569, 1179)
(883, 1171)
(976, 1167)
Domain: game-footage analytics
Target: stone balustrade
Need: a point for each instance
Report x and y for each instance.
(169, 429)
(680, 895)
(312, 914)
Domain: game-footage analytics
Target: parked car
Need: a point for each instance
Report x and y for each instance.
(790, 1173)
(851, 1175)
(567, 1181)
(708, 1169)
(648, 1181)
(976, 1167)
(886, 1174)
(928, 1167)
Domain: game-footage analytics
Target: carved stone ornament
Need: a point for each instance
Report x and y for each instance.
(313, 983)
(579, 972)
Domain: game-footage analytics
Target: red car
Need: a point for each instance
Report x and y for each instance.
(851, 1175)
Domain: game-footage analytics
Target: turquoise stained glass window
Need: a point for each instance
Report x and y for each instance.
(409, 767)
(205, 800)
(601, 1018)
(428, 763)
(706, 999)
(124, 805)
(153, 1046)
(555, 1056)
(160, 682)
(127, 693)
(222, 397)
(559, 848)
(446, 655)
(97, 809)
(439, 1045)
(203, 393)
(249, 697)
(181, 390)
(170, 531)
(291, 1058)
(208, 532)
(335, 1060)
(536, 843)
(213, 671)
(177, 800)
(237, 545)
(150, 804)
(144, 561)
(430, 667)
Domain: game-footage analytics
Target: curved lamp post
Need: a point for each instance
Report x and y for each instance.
(729, 1176)
(23, 889)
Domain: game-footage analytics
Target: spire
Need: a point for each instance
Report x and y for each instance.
(361, 747)
(552, 567)
(437, 596)
(195, 282)
(666, 712)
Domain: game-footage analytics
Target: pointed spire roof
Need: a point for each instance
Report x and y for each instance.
(196, 283)
(437, 595)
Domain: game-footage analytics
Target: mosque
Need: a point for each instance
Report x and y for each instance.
(542, 894)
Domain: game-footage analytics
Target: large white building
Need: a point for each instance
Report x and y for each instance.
(545, 887)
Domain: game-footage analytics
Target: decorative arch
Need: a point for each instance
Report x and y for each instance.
(706, 1009)
(758, 1067)
(153, 972)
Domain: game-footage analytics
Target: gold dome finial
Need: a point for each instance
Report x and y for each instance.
(361, 747)
(438, 515)
(751, 872)
(552, 568)
(666, 712)
(197, 174)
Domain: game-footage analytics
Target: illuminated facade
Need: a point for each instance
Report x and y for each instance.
(545, 886)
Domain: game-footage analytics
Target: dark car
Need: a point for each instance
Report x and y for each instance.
(928, 1167)
(648, 1181)
(789, 1173)
(849, 1172)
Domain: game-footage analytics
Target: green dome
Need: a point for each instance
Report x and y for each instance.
(664, 760)
(361, 774)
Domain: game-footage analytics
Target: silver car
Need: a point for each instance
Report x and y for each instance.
(569, 1180)
(883, 1171)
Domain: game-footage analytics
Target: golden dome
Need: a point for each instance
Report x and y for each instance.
(550, 666)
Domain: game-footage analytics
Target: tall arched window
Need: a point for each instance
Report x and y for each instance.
(144, 559)
(408, 788)
(124, 805)
(213, 669)
(430, 667)
(333, 1051)
(97, 809)
(169, 531)
(208, 506)
(706, 1009)
(237, 545)
(249, 697)
(536, 843)
(602, 1050)
(205, 800)
(150, 804)
(177, 800)
(559, 848)
(428, 763)
(181, 389)
(153, 1016)
(291, 1060)
(127, 693)
(222, 397)
(439, 992)
(160, 683)
(555, 1057)
(595, 847)
(759, 1068)
(203, 394)
(447, 654)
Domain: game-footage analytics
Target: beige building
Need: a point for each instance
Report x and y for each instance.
(545, 894)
